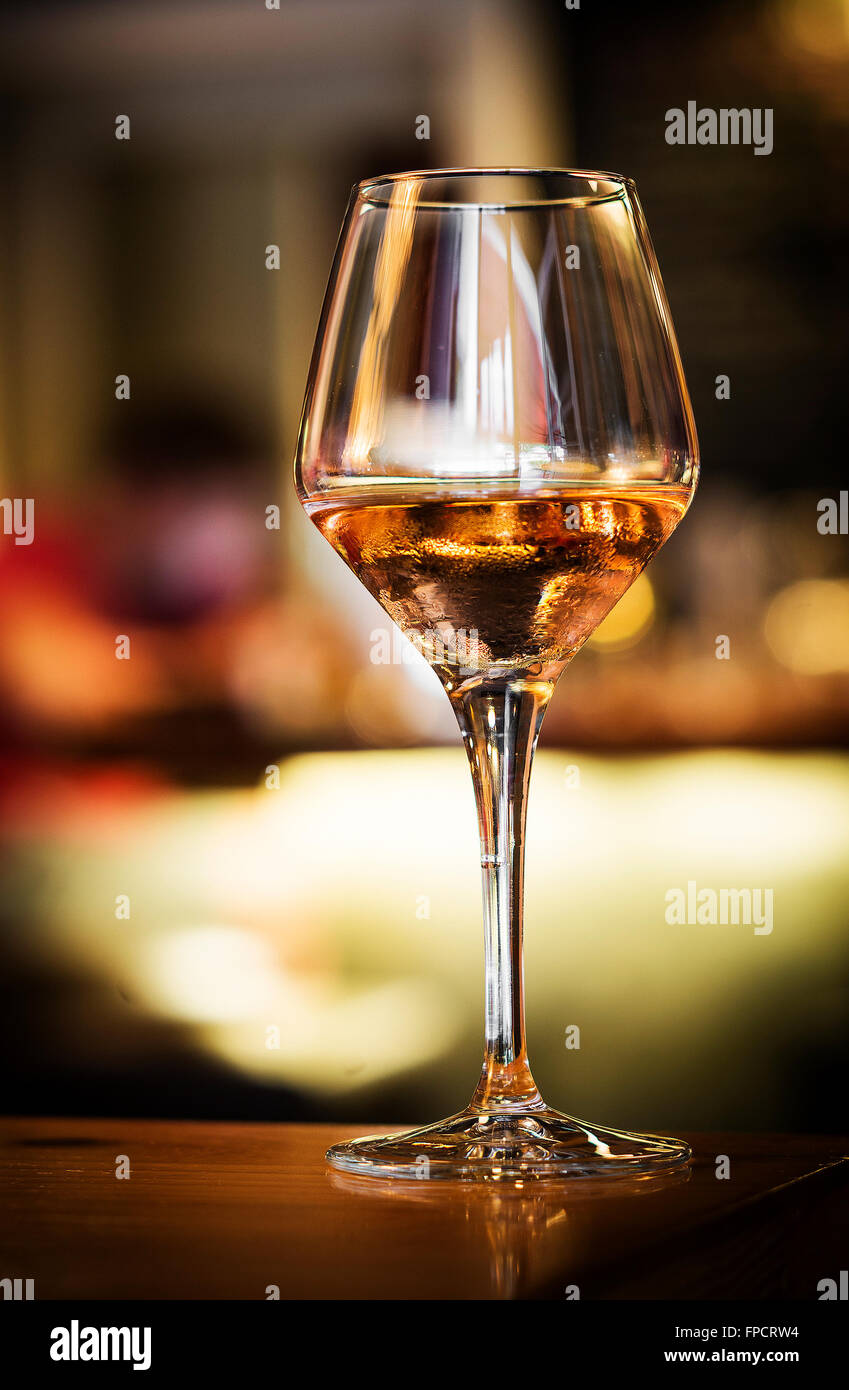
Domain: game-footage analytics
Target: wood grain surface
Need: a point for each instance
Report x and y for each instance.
(231, 1211)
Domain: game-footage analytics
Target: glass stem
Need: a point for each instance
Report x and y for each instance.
(500, 721)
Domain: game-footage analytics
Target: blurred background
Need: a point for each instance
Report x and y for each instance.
(240, 868)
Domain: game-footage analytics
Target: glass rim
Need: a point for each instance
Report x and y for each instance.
(622, 187)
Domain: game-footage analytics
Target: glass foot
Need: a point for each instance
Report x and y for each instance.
(502, 1146)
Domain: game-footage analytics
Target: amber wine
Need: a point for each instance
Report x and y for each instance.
(487, 583)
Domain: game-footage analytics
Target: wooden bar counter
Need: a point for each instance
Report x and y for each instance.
(241, 1211)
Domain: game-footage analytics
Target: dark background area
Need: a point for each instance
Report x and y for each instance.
(255, 906)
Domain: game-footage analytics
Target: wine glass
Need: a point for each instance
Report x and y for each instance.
(496, 438)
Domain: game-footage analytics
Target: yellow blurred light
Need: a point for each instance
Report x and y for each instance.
(333, 1041)
(317, 888)
(807, 626)
(817, 27)
(207, 974)
(632, 616)
(738, 809)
